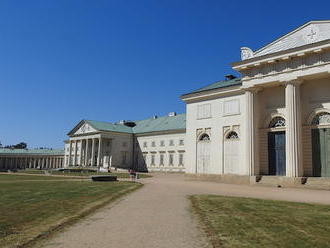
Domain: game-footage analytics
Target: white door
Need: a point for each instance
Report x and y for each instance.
(231, 154)
(203, 155)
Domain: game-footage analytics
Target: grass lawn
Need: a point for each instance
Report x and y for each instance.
(246, 222)
(87, 174)
(30, 208)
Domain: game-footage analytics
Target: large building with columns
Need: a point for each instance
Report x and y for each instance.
(154, 144)
(20, 159)
(274, 120)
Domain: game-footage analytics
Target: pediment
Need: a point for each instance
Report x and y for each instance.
(85, 128)
(311, 32)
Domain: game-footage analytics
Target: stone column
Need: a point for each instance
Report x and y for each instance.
(80, 152)
(293, 130)
(251, 128)
(86, 153)
(93, 152)
(99, 153)
(75, 153)
(70, 152)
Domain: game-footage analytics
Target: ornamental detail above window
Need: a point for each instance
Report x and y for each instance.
(277, 122)
(232, 136)
(321, 119)
(204, 137)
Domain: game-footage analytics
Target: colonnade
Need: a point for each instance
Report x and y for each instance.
(8, 162)
(89, 154)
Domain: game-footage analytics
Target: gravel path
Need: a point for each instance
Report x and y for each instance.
(158, 214)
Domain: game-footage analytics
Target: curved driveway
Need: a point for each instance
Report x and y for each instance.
(158, 214)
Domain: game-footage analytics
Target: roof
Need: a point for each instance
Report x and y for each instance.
(164, 123)
(108, 126)
(32, 151)
(218, 85)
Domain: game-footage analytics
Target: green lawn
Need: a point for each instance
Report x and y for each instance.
(246, 222)
(30, 206)
(83, 174)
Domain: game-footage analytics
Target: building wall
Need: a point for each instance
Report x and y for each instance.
(168, 145)
(226, 114)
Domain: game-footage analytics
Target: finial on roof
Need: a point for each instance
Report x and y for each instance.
(246, 53)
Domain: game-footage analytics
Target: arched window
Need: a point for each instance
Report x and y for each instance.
(277, 122)
(321, 119)
(204, 137)
(232, 136)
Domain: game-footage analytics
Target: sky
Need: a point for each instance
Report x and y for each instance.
(62, 61)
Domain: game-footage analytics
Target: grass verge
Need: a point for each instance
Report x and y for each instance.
(33, 209)
(246, 222)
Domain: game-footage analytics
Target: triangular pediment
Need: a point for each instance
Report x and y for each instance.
(309, 33)
(85, 128)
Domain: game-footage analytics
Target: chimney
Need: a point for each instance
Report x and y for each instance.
(154, 117)
(170, 114)
(230, 77)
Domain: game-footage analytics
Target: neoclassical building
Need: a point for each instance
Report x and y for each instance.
(154, 144)
(19, 159)
(275, 119)
(272, 121)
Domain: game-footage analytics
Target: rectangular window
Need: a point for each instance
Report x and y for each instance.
(162, 143)
(181, 142)
(161, 159)
(181, 162)
(152, 159)
(144, 144)
(231, 107)
(171, 143)
(124, 158)
(204, 111)
(171, 158)
(153, 144)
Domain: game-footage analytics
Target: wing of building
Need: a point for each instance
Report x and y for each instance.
(275, 119)
(155, 144)
(17, 159)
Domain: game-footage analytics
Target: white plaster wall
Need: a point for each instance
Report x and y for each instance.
(176, 149)
(218, 123)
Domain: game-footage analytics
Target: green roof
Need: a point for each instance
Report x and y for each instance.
(218, 85)
(164, 123)
(107, 126)
(32, 151)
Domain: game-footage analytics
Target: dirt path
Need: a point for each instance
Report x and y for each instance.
(158, 215)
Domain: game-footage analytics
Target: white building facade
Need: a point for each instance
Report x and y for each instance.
(275, 120)
(155, 144)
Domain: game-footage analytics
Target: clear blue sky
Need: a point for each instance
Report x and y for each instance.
(62, 61)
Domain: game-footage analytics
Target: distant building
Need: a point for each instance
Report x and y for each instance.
(14, 159)
(155, 144)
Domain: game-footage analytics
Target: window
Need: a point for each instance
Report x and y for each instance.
(321, 119)
(170, 162)
(144, 144)
(124, 158)
(181, 159)
(162, 143)
(181, 142)
(152, 159)
(232, 136)
(204, 111)
(204, 137)
(153, 143)
(171, 143)
(277, 122)
(231, 107)
(161, 159)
